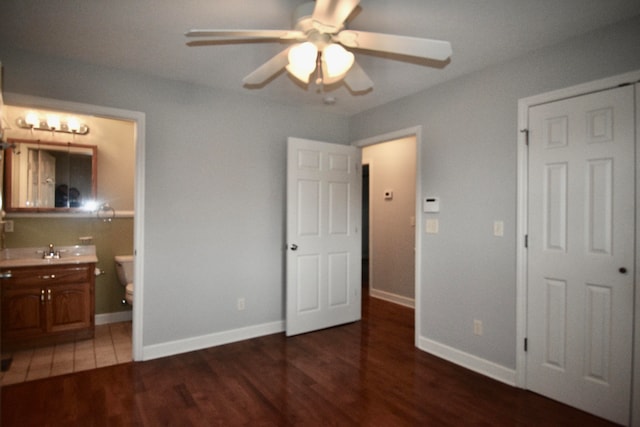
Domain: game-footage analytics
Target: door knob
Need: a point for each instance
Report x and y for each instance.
(294, 247)
(622, 270)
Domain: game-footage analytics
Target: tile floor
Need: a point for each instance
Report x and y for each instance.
(111, 345)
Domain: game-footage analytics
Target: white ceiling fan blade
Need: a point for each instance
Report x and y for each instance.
(268, 69)
(403, 45)
(357, 79)
(248, 34)
(329, 15)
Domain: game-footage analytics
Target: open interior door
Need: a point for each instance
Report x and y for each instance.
(324, 267)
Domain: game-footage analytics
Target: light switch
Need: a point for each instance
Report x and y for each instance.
(432, 226)
(498, 228)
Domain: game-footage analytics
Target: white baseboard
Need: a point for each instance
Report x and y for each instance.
(394, 298)
(115, 317)
(212, 340)
(469, 361)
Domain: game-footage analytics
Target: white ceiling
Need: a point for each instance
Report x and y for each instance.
(148, 36)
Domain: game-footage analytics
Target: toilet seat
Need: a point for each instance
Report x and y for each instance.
(128, 293)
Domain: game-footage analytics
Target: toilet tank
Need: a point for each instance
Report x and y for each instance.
(124, 268)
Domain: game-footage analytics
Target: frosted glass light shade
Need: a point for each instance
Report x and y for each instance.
(337, 60)
(302, 61)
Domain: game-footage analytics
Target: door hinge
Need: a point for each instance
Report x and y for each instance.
(526, 240)
(526, 135)
(526, 344)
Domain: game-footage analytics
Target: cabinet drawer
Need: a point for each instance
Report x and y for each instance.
(47, 276)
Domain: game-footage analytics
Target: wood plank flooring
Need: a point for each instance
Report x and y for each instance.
(366, 373)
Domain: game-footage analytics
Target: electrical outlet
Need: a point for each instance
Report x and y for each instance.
(241, 304)
(8, 226)
(477, 327)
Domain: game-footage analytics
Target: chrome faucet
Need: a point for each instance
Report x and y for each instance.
(50, 253)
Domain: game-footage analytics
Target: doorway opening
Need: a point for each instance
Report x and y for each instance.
(388, 220)
(131, 214)
(365, 230)
(416, 134)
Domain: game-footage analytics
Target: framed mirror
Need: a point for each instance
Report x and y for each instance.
(44, 176)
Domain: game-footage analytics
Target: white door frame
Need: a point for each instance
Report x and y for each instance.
(522, 219)
(403, 133)
(138, 213)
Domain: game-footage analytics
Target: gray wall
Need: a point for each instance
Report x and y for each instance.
(469, 160)
(215, 186)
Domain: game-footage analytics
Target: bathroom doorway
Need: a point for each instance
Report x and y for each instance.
(123, 221)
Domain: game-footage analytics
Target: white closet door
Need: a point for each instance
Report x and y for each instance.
(581, 251)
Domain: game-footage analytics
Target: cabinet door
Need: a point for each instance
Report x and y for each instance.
(68, 307)
(22, 312)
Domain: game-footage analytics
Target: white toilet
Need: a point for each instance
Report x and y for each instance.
(124, 268)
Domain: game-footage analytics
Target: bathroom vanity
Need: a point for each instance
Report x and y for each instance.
(47, 300)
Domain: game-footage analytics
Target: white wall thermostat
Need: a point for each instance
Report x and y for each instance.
(431, 204)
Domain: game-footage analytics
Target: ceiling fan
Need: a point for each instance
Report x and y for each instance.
(319, 36)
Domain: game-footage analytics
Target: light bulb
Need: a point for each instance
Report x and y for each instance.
(32, 119)
(302, 60)
(53, 121)
(73, 124)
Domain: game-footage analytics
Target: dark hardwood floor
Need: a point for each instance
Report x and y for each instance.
(366, 373)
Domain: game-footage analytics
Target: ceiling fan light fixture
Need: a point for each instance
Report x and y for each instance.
(302, 61)
(337, 60)
(320, 30)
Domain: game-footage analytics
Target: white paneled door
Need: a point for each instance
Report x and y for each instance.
(581, 251)
(323, 235)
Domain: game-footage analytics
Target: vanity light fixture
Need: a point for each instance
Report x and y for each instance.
(52, 123)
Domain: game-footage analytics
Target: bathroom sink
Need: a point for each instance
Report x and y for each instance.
(29, 257)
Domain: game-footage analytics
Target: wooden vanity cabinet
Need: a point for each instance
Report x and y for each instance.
(47, 304)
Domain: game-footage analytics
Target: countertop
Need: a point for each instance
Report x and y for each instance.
(33, 257)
